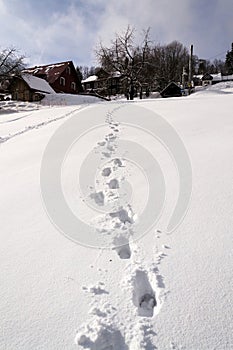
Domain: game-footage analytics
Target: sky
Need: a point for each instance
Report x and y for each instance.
(50, 31)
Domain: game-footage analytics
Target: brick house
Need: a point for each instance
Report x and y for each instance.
(62, 77)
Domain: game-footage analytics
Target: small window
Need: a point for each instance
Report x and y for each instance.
(68, 70)
(73, 85)
(62, 81)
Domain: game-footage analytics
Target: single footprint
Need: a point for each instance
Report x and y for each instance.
(124, 251)
(107, 337)
(143, 295)
(121, 246)
(106, 171)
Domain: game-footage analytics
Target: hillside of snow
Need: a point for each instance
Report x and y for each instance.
(117, 280)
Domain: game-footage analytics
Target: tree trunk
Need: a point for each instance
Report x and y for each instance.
(141, 93)
(131, 92)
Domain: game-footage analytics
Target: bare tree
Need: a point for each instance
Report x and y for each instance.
(145, 64)
(10, 62)
(126, 57)
(219, 66)
(169, 61)
(85, 71)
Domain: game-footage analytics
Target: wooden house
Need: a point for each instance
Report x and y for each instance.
(209, 79)
(171, 90)
(116, 84)
(26, 87)
(103, 83)
(90, 84)
(206, 79)
(62, 77)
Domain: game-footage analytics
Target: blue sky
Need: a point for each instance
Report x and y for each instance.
(48, 31)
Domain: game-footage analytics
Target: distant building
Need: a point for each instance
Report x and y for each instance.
(171, 90)
(104, 83)
(210, 79)
(62, 77)
(26, 87)
(227, 77)
(91, 83)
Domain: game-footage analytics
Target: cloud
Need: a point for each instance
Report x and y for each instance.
(64, 36)
(206, 24)
(50, 30)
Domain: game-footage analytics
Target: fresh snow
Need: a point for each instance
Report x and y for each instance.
(162, 291)
(68, 100)
(90, 78)
(37, 84)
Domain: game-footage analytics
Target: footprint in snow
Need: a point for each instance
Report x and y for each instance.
(97, 289)
(121, 246)
(124, 251)
(106, 171)
(143, 295)
(107, 337)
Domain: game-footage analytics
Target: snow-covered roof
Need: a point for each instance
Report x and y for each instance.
(216, 76)
(116, 74)
(227, 77)
(50, 71)
(37, 83)
(90, 78)
(198, 76)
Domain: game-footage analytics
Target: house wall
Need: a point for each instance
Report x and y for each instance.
(115, 86)
(105, 86)
(91, 85)
(98, 86)
(20, 91)
(70, 76)
(172, 90)
(206, 82)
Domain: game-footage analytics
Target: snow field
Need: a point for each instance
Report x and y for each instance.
(160, 291)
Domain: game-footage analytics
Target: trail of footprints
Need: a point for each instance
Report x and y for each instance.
(143, 285)
(142, 293)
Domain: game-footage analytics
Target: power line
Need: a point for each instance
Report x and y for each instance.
(221, 53)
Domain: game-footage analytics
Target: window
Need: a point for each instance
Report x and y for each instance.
(68, 70)
(62, 81)
(73, 86)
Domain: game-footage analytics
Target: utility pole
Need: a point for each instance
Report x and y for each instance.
(184, 78)
(190, 68)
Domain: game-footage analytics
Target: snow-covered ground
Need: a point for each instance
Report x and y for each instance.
(160, 291)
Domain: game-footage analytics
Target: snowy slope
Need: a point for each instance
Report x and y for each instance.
(161, 291)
